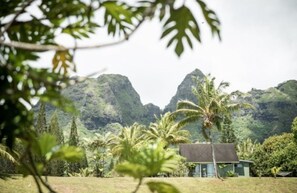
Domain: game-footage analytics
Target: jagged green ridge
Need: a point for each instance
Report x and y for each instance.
(273, 113)
(109, 102)
(104, 102)
(184, 90)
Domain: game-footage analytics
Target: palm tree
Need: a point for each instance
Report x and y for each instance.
(213, 107)
(167, 131)
(4, 153)
(246, 149)
(101, 145)
(128, 141)
(102, 141)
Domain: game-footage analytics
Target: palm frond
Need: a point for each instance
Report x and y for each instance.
(186, 104)
(187, 120)
(188, 112)
(4, 152)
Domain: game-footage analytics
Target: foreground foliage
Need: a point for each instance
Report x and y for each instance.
(150, 160)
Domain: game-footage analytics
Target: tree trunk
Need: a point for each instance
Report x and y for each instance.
(213, 157)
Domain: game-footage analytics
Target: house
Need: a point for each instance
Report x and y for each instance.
(200, 155)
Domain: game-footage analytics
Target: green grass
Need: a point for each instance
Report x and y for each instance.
(127, 185)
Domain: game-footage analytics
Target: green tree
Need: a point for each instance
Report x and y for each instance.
(228, 134)
(167, 131)
(213, 108)
(73, 141)
(276, 151)
(41, 126)
(294, 129)
(128, 141)
(55, 129)
(57, 167)
(100, 146)
(73, 137)
(246, 149)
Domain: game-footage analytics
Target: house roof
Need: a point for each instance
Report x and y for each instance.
(246, 161)
(201, 153)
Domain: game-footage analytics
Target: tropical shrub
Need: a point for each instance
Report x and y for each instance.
(276, 151)
(151, 160)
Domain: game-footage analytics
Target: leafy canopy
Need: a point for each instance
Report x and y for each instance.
(166, 130)
(276, 151)
(294, 129)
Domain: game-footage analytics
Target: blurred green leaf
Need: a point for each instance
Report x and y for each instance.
(117, 17)
(80, 29)
(162, 187)
(46, 142)
(181, 25)
(131, 169)
(149, 161)
(211, 18)
(68, 153)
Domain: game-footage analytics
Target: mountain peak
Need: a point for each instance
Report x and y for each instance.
(184, 90)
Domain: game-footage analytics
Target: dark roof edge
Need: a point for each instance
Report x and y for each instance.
(249, 161)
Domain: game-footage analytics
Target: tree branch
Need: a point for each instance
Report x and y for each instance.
(37, 47)
(23, 7)
(37, 174)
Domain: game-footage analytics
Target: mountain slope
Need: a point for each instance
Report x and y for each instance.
(184, 90)
(273, 113)
(106, 100)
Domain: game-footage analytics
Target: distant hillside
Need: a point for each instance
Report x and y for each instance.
(106, 100)
(110, 102)
(273, 113)
(275, 109)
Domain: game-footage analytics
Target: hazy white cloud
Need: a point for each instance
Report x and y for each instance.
(259, 50)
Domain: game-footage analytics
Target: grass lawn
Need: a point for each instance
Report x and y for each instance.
(127, 185)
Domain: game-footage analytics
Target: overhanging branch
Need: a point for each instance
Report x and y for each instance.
(38, 47)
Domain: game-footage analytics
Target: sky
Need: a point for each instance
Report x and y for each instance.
(258, 50)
